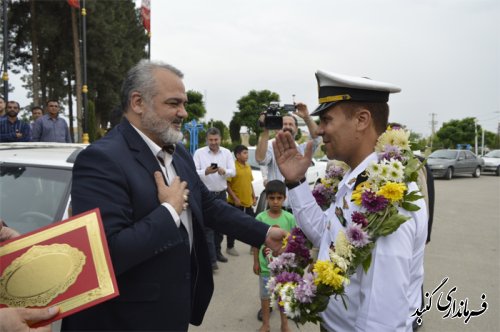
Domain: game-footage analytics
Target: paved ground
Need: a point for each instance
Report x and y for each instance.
(464, 247)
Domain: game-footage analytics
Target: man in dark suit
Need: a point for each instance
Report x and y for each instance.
(154, 230)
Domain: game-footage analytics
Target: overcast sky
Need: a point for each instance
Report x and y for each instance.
(444, 54)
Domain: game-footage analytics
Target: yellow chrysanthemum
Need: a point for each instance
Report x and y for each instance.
(356, 194)
(328, 274)
(285, 241)
(393, 191)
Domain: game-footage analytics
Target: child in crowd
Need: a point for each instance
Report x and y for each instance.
(274, 216)
(240, 189)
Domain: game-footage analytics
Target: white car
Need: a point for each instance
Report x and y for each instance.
(35, 183)
(492, 162)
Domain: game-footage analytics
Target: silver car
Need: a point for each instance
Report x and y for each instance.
(492, 162)
(447, 163)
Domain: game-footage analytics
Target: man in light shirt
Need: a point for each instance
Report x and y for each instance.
(215, 164)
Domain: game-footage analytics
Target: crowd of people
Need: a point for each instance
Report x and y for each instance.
(48, 127)
(165, 211)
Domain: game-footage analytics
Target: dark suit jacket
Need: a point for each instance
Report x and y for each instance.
(162, 286)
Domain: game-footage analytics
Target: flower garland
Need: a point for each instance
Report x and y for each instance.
(326, 188)
(302, 288)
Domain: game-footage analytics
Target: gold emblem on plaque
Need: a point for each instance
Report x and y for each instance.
(43, 272)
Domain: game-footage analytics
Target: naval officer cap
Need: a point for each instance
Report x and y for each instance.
(334, 88)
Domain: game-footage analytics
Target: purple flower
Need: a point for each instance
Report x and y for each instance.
(283, 262)
(372, 202)
(306, 289)
(334, 172)
(285, 277)
(356, 236)
(391, 151)
(322, 196)
(359, 218)
(297, 244)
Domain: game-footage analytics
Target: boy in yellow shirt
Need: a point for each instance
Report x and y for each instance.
(240, 189)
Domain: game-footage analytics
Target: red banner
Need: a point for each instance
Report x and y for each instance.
(74, 3)
(146, 14)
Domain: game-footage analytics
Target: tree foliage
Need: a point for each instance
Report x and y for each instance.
(234, 130)
(40, 33)
(456, 132)
(195, 106)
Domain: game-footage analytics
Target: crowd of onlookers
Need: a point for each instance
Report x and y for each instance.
(46, 125)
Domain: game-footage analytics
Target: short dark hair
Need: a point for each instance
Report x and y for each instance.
(36, 108)
(213, 131)
(52, 100)
(239, 148)
(14, 102)
(378, 110)
(276, 187)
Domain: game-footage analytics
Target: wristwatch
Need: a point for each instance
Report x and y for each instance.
(291, 185)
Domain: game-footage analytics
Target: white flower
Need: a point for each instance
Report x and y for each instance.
(396, 171)
(339, 261)
(374, 169)
(394, 137)
(342, 246)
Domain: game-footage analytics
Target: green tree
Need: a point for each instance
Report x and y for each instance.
(195, 106)
(417, 142)
(41, 44)
(250, 107)
(234, 131)
(456, 132)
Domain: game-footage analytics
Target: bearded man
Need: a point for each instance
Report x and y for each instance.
(264, 153)
(154, 208)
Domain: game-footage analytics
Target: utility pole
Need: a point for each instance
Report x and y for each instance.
(5, 75)
(433, 127)
(475, 136)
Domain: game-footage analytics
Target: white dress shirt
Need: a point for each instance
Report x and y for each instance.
(170, 173)
(204, 157)
(384, 298)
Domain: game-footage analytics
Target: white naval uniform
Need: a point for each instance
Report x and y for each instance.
(384, 298)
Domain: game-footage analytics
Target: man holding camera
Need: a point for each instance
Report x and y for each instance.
(264, 153)
(215, 164)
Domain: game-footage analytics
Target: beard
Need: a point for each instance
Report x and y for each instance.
(162, 128)
(12, 114)
(289, 130)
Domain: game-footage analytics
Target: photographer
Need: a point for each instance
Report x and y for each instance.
(264, 153)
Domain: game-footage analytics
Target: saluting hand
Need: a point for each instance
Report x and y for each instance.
(292, 164)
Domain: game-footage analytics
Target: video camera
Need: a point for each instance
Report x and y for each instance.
(274, 115)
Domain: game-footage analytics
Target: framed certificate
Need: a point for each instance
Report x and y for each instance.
(65, 264)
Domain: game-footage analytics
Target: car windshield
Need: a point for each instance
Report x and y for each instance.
(32, 197)
(443, 154)
(493, 154)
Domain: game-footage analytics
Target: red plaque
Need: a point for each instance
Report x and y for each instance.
(64, 264)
